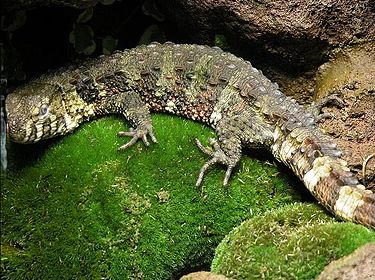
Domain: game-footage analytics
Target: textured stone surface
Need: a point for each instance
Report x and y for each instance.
(350, 68)
(358, 265)
(203, 275)
(298, 31)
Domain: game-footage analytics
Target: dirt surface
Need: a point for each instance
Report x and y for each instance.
(353, 126)
(350, 75)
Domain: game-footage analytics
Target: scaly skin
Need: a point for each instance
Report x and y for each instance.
(204, 84)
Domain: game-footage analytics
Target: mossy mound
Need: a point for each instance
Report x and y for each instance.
(84, 211)
(293, 242)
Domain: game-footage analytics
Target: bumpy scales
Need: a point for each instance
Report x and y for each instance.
(204, 84)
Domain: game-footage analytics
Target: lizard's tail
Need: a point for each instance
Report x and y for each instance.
(315, 160)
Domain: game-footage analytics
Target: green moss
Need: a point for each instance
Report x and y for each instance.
(84, 211)
(294, 242)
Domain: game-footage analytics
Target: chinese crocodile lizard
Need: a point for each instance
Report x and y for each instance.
(200, 83)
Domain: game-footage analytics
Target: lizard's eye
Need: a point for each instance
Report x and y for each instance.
(43, 110)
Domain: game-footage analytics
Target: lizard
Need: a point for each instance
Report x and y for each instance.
(202, 83)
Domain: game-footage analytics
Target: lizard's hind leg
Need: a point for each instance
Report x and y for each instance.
(227, 150)
(235, 131)
(221, 155)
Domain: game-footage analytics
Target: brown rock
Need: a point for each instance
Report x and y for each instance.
(352, 68)
(204, 275)
(299, 31)
(358, 265)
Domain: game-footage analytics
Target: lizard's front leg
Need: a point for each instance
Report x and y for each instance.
(137, 113)
(140, 132)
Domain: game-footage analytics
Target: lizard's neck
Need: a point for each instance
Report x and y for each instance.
(76, 111)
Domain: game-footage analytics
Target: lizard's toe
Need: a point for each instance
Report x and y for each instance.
(218, 156)
(316, 107)
(139, 133)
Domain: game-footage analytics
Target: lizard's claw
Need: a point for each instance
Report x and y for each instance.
(218, 156)
(316, 107)
(139, 133)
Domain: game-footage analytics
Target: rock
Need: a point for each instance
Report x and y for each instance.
(299, 31)
(203, 275)
(351, 68)
(358, 265)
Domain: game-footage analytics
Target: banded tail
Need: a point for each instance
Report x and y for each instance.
(316, 161)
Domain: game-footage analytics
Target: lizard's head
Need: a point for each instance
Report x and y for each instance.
(38, 111)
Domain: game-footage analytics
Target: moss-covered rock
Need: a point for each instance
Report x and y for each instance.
(294, 242)
(81, 210)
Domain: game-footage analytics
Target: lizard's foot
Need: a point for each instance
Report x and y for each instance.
(316, 107)
(218, 156)
(138, 133)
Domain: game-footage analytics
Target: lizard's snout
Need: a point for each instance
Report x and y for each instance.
(14, 115)
(14, 132)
